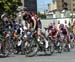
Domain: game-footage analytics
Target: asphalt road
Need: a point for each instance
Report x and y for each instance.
(56, 57)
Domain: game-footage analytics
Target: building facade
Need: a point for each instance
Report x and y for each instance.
(73, 5)
(30, 4)
(62, 5)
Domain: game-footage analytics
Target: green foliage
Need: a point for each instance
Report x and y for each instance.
(43, 16)
(9, 6)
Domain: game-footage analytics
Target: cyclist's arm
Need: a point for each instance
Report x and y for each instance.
(34, 22)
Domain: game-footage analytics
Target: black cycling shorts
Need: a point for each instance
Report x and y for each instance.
(39, 24)
(64, 32)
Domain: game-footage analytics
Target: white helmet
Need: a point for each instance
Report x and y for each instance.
(3, 15)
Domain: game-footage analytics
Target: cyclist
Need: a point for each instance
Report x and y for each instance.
(34, 22)
(7, 22)
(53, 30)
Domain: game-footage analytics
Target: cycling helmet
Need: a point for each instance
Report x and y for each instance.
(3, 15)
(61, 26)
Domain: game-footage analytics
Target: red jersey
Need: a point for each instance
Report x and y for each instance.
(54, 33)
(33, 15)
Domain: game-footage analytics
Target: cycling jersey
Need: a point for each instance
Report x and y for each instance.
(54, 33)
(52, 29)
(7, 25)
(29, 18)
(64, 31)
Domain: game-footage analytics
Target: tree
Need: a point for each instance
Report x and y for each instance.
(43, 16)
(9, 6)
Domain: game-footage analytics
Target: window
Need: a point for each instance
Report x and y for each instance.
(73, 9)
(73, 4)
(58, 21)
(53, 1)
(62, 0)
(65, 21)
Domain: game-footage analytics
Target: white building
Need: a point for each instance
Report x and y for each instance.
(58, 21)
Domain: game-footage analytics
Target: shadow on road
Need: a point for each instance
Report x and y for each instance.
(44, 55)
(1, 56)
